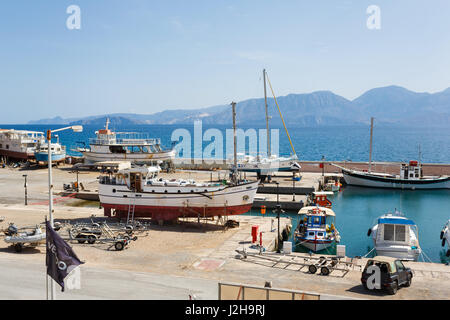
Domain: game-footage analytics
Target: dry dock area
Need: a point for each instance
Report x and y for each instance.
(189, 256)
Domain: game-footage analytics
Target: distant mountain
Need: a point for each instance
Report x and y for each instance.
(391, 105)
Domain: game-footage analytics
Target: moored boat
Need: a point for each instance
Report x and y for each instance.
(396, 236)
(316, 229)
(445, 237)
(411, 177)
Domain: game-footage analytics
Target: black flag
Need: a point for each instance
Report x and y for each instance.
(60, 256)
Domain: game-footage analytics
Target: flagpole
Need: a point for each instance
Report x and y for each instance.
(50, 205)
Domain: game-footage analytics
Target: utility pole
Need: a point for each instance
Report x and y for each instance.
(278, 215)
(370, 152)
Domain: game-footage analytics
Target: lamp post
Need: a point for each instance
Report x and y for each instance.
(25, 185)
(293, 187)
(50, 188)
(278, 214)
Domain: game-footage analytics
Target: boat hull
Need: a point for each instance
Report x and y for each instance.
(315, 245)
(352, 178)
(43, 157)
(399, 252)
(162, 205)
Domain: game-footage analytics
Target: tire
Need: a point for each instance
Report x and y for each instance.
(325, 271)
(119, 245)
(365, 286)
(448, 253)
(409, 281)
(81, 238)
(312, 269)
(369, 232)
(91, 239)
(393, 289)
(442, 235)
(443, 242)
(18, 247)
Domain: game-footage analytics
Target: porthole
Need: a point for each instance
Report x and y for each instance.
(114, 190)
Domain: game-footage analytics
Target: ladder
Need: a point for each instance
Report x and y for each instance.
(131, 209)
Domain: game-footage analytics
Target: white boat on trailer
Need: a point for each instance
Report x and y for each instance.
(396, 236)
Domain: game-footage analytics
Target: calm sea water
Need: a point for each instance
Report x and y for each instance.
(335, 143)
(356, 208)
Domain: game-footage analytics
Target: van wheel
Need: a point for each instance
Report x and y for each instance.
(393, 289)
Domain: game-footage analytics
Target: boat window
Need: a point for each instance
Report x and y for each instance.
(320, 234)
(389, 232)
(311, 233)
(400, 233)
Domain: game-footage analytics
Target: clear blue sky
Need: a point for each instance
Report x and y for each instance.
(148, 56)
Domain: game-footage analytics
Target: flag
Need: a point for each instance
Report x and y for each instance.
(60, 258)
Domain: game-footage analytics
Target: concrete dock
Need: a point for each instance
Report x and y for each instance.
(174, 260)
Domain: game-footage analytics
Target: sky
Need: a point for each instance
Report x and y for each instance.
(148, 56)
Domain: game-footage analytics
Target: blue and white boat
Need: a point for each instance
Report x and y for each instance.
(396, 236)
(316, 229)
(58, 153)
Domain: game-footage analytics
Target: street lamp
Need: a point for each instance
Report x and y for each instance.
(25, 185)
(50, 185)
(278, 214)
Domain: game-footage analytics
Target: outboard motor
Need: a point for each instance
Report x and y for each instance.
(12, 230)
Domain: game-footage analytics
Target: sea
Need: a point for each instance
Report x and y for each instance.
(356, 208)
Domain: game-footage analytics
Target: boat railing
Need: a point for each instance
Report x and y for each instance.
(130, 142)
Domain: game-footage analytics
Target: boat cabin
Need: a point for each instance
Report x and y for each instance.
(320, 199)
(396, 230)
(411, 171)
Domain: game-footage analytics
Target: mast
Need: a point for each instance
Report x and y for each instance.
(267, 114)
(234, 176)
(370, 152)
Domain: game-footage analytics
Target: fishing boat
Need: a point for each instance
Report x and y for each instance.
(265, 166)
(124, 146)
(58, 152)
(316, 229)
(396, 236)
(333, 186)
(319, 198)
(138, 192)
(410, 177)
(445, 237)
(19, 144)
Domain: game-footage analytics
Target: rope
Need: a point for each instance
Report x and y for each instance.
(289, 137)
(368, 253)
(425, 255)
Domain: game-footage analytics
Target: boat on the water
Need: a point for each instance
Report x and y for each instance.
(267, 165)
(319, 198)
(316, 228)
(19, 144)
(411, 177)
(445, 237)
(333, 186)
(396, 236)
(58, 152)
(139, 192)
(125, 146)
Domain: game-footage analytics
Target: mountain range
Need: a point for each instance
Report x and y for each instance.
(390, 105)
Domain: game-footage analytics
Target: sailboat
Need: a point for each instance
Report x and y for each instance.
(410, 177)
(266, 166)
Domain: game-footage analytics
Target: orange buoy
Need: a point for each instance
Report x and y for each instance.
(263, 209)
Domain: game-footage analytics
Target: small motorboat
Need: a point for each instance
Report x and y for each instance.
(396, 236)
(445, 237)
(333, 186)
(319, 198)
(20, 239)
(316, 230)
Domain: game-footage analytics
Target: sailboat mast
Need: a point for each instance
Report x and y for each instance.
(233, 105)
(267, 114)
(370, 152)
